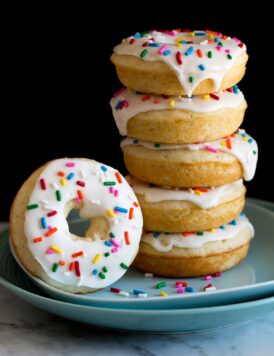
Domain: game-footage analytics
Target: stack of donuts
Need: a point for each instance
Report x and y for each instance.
(180, 111)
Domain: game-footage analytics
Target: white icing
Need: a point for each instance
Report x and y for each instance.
(135, 104)
(241, 149)
(165, 242)
(206, 200)
(94, 191)
(215, 67)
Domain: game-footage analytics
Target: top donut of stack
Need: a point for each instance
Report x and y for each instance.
(180, 62)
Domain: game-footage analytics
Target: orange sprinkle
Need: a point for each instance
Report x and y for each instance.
(62, 263)
(38, 239)
(51, 232)
(77, 254)
(201, 189)
(127, 238)
(136, 204)
(61, 174)
(224, 37)
(156, 101)
(210, 41)
(80, 194)
(187, 233)
(233, 135)
(131, 212)
(118, 177)
(199, 53)
(228, 143)
(71, 266)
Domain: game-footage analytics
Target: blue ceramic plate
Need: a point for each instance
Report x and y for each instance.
(252, 279)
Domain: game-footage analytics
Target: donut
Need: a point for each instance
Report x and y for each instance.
(178, 119)
(179, 62)
(174, 210)
(195, 254)
(192, 165)
(40, 232)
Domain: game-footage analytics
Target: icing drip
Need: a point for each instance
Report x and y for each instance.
(240, 145)
(129, 103)
(164, 242)
(192, 56)
(204, 198)
(100, 191)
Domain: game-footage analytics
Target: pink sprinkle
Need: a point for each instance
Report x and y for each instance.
(170, 33)
(49, 251)
(70, 164)
(236, 39)
(180, 290)
(116, 193)
(79, 182)
(126, 104)
(217, 274)
(179, 285)
(163, 48)
(111, 189)
(50, 228)
(218, 48)
(227, 51)
(211, 149)
(114, 243)
(207, 278)
(114, 250)
(78, 200)
(52, 213)
(119, 92)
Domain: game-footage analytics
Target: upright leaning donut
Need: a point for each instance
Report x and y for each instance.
(40, 232)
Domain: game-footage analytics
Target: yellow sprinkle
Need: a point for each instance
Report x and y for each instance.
(245, 139)
(223, 143)
(178, 45)
(179, 39)
(96, 258)
(211, 230)
(56, 249)
(110, 213)
(206, 97)
(198, 192)
(191, 34)
(163, 294)
(124, 40)
(172, 102)
(63, 181)
(210, 35)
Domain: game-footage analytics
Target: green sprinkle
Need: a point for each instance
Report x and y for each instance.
(160, 285)
(191, 79)
(157, 145)
(111, 234)
(105, 269)
(101, 275)
(220, 44)
(109, 183)
(209, 54)
(229, 56)
(143, 53)
(32, 206)
(107, 254)
(58, 195)
(254, 152)
(55, 267)
(123, 265)
(200, 233)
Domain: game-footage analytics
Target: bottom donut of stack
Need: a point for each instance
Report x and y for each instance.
(215, 237)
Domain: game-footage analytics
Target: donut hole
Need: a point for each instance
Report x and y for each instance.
(91, 229)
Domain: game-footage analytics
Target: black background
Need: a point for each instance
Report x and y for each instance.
(56, 80)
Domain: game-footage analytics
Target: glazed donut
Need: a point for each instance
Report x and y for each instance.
(175, 210)
(40, 232)
(195, 254)
(178, 119)
(192, 165)
(179, 62)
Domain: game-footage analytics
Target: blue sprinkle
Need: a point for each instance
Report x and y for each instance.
(156, 234)
(243, 135)
(222, 227)
(167, 52)
(189, 289)
(189, 51)
(95, 272)
(202, 67)
(44, 223)
(235, 89)
(117, 106)
(135, 142)
(104, 168)
(70, 176)
(183, 42)
(137, 35)
(216, 39)
(136, 291)
(108, 243)
(121, 210)
(233, 222)
(250, 140)
(153, 44)
(200, 33)
(242, 214)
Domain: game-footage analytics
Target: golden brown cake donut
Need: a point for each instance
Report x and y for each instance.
(175, 210)
(192, 165)
(193, 255)
(175, 120)
(179, 63)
